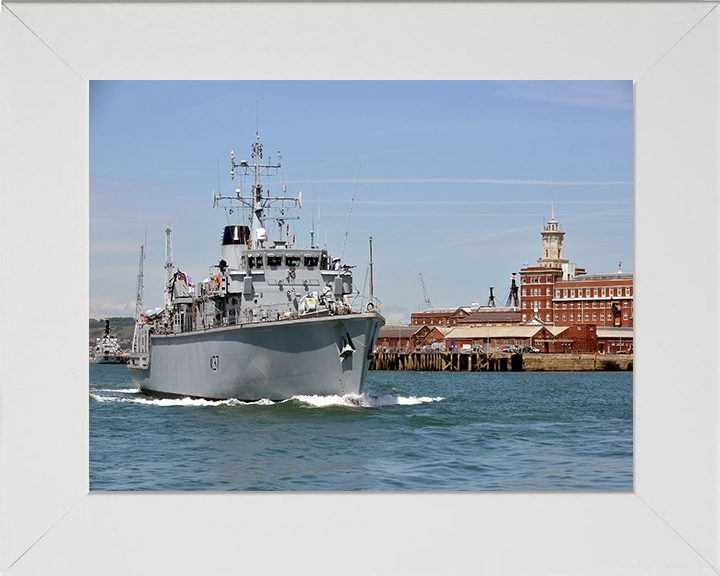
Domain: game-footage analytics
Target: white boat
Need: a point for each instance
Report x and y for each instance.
(107, 349)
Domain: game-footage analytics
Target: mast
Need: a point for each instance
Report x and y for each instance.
(140, 285)
(257, 203)
(139, 296)
(371, 270)
(168, 266)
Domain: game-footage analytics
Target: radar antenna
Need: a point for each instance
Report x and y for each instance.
(257, 203)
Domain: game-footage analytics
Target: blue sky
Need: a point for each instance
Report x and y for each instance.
(455, 178)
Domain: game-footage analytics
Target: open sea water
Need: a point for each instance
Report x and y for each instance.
(426, 431)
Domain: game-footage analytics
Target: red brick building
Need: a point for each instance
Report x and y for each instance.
(614, 340)
(488, 316)
(446, 317)
(480, 316)
(498, 338)
(599, 299)
(558, 292)
(537, 283)
(403, 337)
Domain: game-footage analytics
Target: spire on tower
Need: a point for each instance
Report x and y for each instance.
(552, 209)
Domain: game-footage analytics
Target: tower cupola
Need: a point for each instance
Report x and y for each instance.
(552, 243)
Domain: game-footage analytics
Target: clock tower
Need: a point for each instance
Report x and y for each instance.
(552, 243)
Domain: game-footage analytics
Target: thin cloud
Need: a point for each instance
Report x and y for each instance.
(586, 94)
(459, 181)
(475, 202)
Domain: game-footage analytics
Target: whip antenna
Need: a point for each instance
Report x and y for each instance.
(352, 203)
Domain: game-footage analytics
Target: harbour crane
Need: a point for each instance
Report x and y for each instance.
(428, 304)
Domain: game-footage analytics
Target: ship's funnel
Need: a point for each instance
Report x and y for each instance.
(235, 240)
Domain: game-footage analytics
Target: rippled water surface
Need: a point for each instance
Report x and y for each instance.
(407, 431)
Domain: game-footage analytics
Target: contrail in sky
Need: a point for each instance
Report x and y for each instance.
(459, 181)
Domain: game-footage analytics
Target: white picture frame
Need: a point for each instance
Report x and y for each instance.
(50, 523)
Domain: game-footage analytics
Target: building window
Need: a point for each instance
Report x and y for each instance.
(524, 317)
(556, 317)
(603, 292)
(594, 304)
(523, 292)
(587, 317)
(625, 316)
(572, 293)
(564, 317)
(595, 292)
(557, 293)
(565, 293)
(572, 318)
(594, 316)
(602, 317)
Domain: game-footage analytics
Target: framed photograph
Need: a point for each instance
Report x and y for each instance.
(49, 519)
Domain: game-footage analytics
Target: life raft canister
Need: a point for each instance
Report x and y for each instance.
(217, 280)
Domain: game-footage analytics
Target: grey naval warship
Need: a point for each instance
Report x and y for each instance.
(271, 320)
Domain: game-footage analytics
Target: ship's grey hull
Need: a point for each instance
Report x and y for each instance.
(275, 360)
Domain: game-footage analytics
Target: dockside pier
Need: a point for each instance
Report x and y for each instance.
(437, 361)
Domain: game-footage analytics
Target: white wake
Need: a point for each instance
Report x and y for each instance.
(364, 400)
(348, 400)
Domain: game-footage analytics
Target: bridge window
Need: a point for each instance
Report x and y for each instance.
(292, 261)
(274, 261)
(311, 261)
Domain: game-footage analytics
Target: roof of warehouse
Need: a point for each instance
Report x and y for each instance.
(482, 332)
